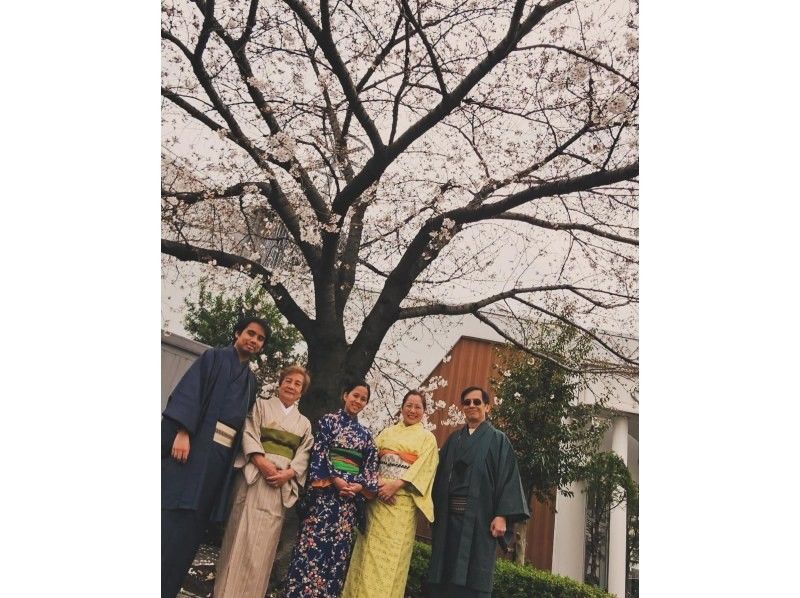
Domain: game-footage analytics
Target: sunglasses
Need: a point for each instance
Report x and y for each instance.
(475, 402)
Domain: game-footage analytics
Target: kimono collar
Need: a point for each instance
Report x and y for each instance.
(480, 427)
(286, 410)
(230, 350)
(347, 415)
(238, 369)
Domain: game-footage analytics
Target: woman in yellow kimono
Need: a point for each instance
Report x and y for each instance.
(408, 458)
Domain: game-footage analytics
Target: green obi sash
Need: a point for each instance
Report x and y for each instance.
(345, 460)
(279, 442)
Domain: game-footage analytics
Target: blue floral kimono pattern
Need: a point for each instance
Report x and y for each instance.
(342, 448)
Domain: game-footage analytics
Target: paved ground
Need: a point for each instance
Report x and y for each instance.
(200, 580)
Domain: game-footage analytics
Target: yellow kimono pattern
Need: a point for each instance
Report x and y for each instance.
(380, 560)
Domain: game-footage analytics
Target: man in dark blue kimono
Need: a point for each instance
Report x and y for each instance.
(201, 431)
(477, 497)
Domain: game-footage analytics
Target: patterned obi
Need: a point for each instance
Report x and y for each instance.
(345, 460)
(394, 464)
(457, 504)
(280, 442)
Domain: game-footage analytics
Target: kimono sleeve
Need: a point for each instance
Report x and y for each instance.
(419, 476)
(186, 401)
(509, 495)
(290, 491)
(300, 461)
(251, 439)
(368, 476)
(320, 468)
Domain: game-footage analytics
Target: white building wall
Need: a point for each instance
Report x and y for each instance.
(568, 536)
(633, 458)
(617, 535)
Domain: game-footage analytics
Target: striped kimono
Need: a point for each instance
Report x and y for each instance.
(254, 527)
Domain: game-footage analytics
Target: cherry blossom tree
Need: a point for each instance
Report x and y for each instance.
(376, 164)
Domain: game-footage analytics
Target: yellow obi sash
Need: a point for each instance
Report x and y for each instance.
(280, 442)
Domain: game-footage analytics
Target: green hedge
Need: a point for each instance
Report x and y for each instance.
(510, 580)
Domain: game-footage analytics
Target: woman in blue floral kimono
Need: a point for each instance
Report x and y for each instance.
(342, 475)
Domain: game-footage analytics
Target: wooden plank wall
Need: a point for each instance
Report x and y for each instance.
(474, 363)
(470, 365)
(541, 525)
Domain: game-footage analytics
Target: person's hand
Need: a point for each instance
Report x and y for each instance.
(339, 483)
(388, 488)
(180, 446)
(280, 477)
(264, 465)
(498, 527)
(346, 490)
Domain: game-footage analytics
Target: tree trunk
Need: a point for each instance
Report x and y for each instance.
(324, 395)
(331, 364)
(521, 541)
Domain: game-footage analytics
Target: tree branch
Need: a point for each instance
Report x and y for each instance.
(593, 367)
(280, 295)
(493, 186)
(561, 187)
(249, 25)
(378, 163)
(434, 62)
(460, 309)
(595, 62)
(276, 199)
(587, 332)
(325, 42)
(346, 273)
(567, 226)
(293, 165)
(191, 110)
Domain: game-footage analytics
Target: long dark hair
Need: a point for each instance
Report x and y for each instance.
(349, 386)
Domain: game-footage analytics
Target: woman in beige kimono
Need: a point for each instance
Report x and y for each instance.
(408, 458)
(273, 462)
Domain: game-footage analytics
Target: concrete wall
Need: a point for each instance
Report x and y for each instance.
(177, 354)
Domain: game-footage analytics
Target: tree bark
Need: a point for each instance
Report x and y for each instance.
(324, 395)
(521, 539)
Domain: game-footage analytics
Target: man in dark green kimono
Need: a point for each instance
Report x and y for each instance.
(477, 497)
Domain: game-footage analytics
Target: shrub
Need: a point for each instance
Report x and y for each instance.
(510, 580)
(418, 568)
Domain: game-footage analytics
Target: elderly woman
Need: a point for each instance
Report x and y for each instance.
(408, 459)
(343, 473)
(273, 460)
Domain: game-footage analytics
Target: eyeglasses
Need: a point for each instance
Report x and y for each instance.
(475, 402)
